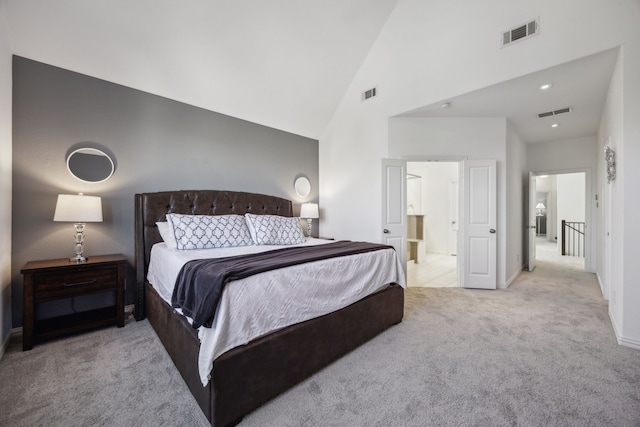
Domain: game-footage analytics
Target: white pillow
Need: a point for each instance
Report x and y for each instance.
(274, 229)
(209, 231)
(166, 232)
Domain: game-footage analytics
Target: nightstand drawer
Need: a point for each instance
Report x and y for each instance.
(60, 285)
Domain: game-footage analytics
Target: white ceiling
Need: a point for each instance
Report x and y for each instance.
(581, 84)
(280, 63)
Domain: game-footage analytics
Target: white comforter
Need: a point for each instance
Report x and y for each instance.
(252, 307)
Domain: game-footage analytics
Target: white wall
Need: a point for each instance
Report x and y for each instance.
(621, 197)
(629, 178)
(609, 237)
(571, 197)
(427, 53)
(570, 200)
(562, 155)
(517, 189)
(5, 180)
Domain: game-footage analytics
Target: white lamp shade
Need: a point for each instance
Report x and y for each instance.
(540, 206)
(78, 208)
(309, 210)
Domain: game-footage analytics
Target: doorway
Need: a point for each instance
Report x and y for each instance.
(561, 197)
(432, 223)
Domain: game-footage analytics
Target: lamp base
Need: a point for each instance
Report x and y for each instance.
(309, 220)
(79, 227)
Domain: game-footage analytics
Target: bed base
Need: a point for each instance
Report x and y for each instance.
(248, 376)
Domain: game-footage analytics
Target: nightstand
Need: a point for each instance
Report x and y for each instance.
(55, 279)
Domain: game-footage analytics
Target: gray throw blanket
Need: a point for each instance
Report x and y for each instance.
(200, 282)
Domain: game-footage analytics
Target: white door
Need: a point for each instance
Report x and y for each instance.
(394, 206)
(531, 228)
(479, 225)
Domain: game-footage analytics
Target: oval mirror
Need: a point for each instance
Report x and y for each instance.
(302, 186)
(90, 165)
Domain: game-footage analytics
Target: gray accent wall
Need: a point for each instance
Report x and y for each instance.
(158, 144)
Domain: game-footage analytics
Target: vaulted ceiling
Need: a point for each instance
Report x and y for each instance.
(280, 63)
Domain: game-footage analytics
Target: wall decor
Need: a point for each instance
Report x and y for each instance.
(90, 165)
(302, 186)
(610, 158)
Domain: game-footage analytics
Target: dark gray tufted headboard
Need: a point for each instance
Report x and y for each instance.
(152, 207)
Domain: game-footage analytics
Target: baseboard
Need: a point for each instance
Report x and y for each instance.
(612, 319)
(510, 281)
(601, 284)
(628, 342)
(4, 346)
(5, 343)
(623, 341)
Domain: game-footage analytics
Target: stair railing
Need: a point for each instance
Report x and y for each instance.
(573, 238)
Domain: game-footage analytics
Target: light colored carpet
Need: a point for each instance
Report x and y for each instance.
(539, 353)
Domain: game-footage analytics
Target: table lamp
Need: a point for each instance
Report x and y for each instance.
(309, 211)
(79, 209)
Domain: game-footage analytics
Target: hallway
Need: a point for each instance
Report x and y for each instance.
(439, 271)
(549, 256)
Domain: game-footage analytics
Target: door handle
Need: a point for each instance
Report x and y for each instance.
(492, 231)
(385, 231)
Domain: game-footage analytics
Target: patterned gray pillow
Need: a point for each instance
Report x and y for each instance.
(275, 229)
(206, 232)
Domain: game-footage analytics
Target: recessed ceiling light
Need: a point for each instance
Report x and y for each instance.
(445, 105)
(545, 86)
(543, 176)
(555, 125)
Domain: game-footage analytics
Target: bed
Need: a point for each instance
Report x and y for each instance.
(249, 375)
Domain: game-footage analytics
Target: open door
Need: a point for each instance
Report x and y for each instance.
(531, 228)
(394, 206)
(480, 218)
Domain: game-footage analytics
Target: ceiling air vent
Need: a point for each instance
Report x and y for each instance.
(521, 32)
(369, 94)
(555, 112)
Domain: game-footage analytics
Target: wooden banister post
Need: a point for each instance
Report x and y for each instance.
(563, 249)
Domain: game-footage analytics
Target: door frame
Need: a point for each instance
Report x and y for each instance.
(531, 222)
(589, 212)
(454, 214)
(451, 159)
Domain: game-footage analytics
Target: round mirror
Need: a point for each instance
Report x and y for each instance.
(90, 165)
(302, 186)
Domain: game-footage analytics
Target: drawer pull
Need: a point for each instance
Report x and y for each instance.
(69, 285)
